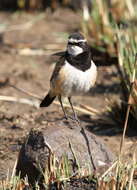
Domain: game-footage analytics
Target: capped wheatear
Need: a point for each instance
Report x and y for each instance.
(74, 74)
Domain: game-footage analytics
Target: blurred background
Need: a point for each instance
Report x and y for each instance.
(30, 32)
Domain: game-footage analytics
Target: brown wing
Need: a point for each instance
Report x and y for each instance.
(57, 68)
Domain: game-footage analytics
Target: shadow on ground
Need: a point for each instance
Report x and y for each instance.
(102, 127)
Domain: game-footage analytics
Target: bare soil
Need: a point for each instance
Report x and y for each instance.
(32, 73)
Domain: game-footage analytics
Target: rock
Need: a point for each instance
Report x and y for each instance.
(38, 145)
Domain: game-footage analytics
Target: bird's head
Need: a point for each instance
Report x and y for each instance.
(77, 44)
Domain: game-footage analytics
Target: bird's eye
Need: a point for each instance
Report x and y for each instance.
(70, 43)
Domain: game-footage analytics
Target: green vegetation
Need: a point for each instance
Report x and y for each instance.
(101, 28)
(118, 176)
(111, 28)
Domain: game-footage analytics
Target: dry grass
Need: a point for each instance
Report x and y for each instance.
(103, 32)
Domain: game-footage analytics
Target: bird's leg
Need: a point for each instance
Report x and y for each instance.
(75, 115)
(60, 100)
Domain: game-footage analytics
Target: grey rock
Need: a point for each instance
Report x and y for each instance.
(89, 151)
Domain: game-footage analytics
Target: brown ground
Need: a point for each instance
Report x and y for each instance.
(32, 73)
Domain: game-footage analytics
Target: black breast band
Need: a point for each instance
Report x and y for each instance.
(81, 61)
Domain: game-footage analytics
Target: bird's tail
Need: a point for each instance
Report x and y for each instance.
(47, 100)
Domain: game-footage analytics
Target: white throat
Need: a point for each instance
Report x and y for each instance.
(74, 50)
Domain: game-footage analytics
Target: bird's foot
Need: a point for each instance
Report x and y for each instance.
(74, 119)
(66, 117)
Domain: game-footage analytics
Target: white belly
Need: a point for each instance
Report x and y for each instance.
(76, 81)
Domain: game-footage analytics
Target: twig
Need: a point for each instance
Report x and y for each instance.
(34, 103)
(76, 108)
(127, 113)
(14, 169)
(88, 146)
(109, 169)
(90, 109)
(130, 7)
(129, 105)
(33, 52)
(132, 170)
(73, 152)
(26, 92)
(48, 146)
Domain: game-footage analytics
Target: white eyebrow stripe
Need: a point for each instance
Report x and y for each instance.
(76, 41)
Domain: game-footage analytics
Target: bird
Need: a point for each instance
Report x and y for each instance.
(75, 73)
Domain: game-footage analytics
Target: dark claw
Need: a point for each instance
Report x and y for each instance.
(74, 119)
